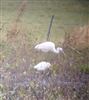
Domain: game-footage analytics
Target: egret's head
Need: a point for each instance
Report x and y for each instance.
(48, 64)
(59, 49)
(36, 46)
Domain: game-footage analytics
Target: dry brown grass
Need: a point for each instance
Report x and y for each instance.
(78, 37)
(76, 64)
(43, 85)
(16, 25)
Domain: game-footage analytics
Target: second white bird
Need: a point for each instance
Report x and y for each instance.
(42, 66)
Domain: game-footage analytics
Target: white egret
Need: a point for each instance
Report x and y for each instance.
(48, 46)
(42, 66)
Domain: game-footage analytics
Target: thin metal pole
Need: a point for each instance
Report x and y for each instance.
(49, 29)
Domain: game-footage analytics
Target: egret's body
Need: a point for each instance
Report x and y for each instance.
(42, 66)
(48, 46)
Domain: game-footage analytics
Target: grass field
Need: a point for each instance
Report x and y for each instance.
(18, 79)
(37, 15)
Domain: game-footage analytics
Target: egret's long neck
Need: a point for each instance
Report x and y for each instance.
(55, 50)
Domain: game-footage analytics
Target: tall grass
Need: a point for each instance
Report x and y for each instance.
(76, 47)
(66, 80)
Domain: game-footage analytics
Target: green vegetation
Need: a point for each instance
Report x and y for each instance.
(84, 68)
(21, 29)
(38, 13)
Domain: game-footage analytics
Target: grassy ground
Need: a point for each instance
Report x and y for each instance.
(38, 13)
(18, 79)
